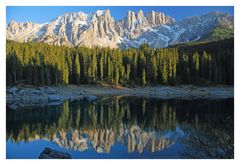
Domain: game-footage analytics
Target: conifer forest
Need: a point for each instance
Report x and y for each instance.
(207, 63)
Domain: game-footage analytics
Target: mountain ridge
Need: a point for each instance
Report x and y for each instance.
(100, 29)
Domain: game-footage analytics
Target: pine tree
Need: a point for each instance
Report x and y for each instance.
(116, 75)
(164, 73)
(185, 70)
(204, 65)
(65, 74)
(128, 73)
(195, 66)
(101, 67)
(77, 69)
(210, 74)
(94, 66)
(144, 82)
(109, 69)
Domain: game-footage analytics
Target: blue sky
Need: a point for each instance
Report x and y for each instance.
(41, 14)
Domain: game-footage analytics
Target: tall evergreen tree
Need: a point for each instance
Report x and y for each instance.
(76, 70)
(144, 82)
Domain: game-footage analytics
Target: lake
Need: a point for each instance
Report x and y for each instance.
(124, 127)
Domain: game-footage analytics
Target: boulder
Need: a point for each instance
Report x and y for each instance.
(12, 90)
(22, 92)
(48, 90)
(55, 98)
(37, 92)
(90, 98)
(80, 93)
(13, 106)
(49, 153)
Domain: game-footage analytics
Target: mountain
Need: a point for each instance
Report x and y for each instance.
(100, 29)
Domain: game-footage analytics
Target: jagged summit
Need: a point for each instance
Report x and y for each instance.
(100, 29)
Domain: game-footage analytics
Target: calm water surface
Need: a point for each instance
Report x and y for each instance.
(124, 127)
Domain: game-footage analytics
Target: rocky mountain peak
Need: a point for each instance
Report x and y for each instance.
(140, 15)
(151, 18)
(159, 18)
(130, 20)
(107, 13)
(100, 12)
(13, 23)
(100, 29)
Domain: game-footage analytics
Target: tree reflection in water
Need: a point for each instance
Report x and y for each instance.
(140, 124)
(212, 137)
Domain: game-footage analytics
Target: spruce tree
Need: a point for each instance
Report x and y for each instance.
(144, 82)
(77, 69)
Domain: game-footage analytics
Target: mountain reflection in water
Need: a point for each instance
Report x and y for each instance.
(140, 124)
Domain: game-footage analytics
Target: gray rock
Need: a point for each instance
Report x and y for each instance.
(22, 92)
(30, 91)
(55, 98)
(55, 103)
(80, 93)
(13, 106)
(48, 90)
(12, 90)
(37, 92)
(49, 153)
(90, 98)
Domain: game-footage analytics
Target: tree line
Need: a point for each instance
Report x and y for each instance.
(43, 64)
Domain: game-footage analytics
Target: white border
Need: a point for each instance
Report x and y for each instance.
(4, 3)
(121, 2)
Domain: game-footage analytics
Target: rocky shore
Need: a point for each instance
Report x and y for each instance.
(19, 96)
(41, 96)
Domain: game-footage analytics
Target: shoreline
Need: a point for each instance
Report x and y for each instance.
(22, 96)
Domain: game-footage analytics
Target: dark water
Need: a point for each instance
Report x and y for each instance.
(124, 127)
